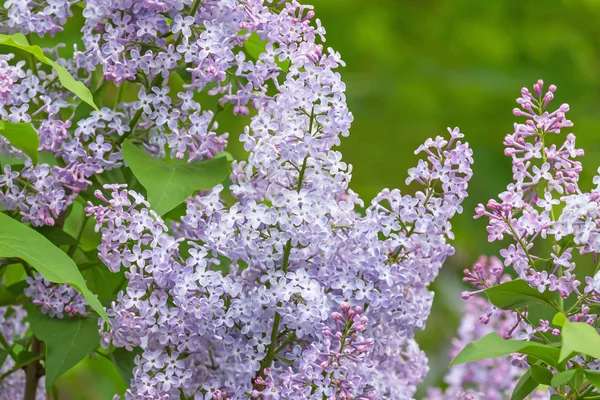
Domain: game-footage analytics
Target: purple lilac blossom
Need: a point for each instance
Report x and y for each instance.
(41, 17)
(13, 327)
(54, 299)
(242, 298)
(491, 379)
(545, 175)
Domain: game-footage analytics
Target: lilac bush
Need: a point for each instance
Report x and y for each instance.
(279, 283)
(550, 224)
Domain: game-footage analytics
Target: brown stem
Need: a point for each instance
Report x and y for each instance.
(32, 372)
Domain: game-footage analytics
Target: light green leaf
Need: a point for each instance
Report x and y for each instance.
(493, 345)
(67, 341)
(74, 86)
(170, 184)
(516, 294)
(579, 337)
(18, 240)
(565, 376)
(524, 387)
(22, 136)
(559, 319)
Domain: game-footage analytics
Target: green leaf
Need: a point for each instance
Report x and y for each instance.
(493, 345)
(556, 397)
(559, 319)
(170, 184)
(19, 41)
(579, 337)
(563, 377)
(12, 294)
(104, 283)
(541, 374)
(124, 362)
(25, 357)
(3, 356)
(56, 235)
(22, 136)
(593, 377)
(524, 387)
(67, 341)
(516, 294)
(18, 240)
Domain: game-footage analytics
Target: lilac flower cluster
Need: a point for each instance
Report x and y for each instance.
(42, 192)
(544, 205)
(491, 379)
(24, 16)
(238, 300)
(291, 251)
(545, 176)
(12, 328)
(55, 300)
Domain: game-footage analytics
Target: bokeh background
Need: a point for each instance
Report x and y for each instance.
(415, 67)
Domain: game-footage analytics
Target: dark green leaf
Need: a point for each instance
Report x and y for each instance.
(67, 341)
(170, 184)
(10, 294)
(565, 376)
(104, 283)
(593, 377)
(57, 236)
(19, 41)
(516, 294)
(18, 240)
(25, 357)
(556, 397)
(22, 136)
(493, 345)
(3, 356)
(524, 387)
(541, 374)
(124, 362)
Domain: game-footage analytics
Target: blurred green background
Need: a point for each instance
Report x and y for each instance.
(415, 67)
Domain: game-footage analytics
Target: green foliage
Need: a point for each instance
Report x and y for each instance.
(67, 341)
(171, 183)
(525, 386)
(22, 136)
(18, 240)
(493, 345)
(517, 294)
(12, 294)
(124, 361)
(19, 41)
(577, 337)
(540, 374)
(565, 376)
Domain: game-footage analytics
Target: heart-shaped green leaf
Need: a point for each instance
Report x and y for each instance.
(67, 340)
(170, 184)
